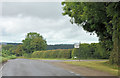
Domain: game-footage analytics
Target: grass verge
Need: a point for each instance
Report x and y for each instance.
(3, 59)
(56, 58)
(97, 65)
(45, 58)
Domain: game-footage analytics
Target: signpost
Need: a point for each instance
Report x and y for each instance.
(76, 46)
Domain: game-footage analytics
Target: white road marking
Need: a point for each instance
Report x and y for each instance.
(71, 72)
(1, 70)
(77, 74)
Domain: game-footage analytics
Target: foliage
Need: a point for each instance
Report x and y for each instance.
(19, 51)
(87, 51)
(100, 52)
(6, 53)
(102, 18)
(8, 49)
(60, 46)
(27, 55)
(11, 57)
(113, 11)
(34, 42)
(59, 53)
(3, 59)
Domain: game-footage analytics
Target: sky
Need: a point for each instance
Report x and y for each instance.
(45, 18)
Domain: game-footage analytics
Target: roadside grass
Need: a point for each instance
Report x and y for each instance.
(44, 58)
(50, 59)
(57, 58)
(3, 59)
(11, 57)
(97, 65)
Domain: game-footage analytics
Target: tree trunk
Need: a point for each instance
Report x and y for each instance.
(115, 55)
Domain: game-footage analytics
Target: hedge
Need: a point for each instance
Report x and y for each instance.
(59, 53)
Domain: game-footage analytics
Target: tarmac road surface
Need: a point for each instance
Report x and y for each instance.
(27, 67)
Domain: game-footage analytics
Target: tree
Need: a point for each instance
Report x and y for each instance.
(34, 42)
(98, 18)
(19, 50)
(113, 11)
(38, 44)
(7, 47)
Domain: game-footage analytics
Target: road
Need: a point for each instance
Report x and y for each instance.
(27, 67)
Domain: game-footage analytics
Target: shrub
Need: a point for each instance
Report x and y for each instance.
(59, 53)
(11, 57)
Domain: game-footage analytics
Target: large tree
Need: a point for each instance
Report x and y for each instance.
(34, 42)
(100, 18)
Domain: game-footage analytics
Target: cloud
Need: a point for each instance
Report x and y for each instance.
(54, 31)
(46, 18)
(43, 10)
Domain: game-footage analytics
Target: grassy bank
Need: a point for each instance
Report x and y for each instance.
(5, 59)
(97, 65)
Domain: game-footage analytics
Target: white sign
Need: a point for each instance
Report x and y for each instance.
(76, 45)
(75, 57)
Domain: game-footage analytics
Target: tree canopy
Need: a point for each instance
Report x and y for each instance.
(34, 42)
(101, 17)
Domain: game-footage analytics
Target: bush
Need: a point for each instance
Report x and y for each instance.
(59, 53)
(3, 59)
(27, 55)
(11, 57)
(88, 51)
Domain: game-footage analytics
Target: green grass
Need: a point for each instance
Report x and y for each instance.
(3, 59)
(45, 58)
(50, 59)
(11, 57)
(98, 65)
(57, 58)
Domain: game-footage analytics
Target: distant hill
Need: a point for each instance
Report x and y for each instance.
(49, 47)
(60, 46)
(5, 43)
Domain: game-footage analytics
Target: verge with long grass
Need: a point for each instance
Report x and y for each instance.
(97, 65)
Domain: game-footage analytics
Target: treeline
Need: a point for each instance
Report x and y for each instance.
(49, 47)
(6, 53)
(59, 53)
(85, 51)
(33, 42)
(60, 46)
(7, 43)
(34, 45)
(93, 50)
(102, 18)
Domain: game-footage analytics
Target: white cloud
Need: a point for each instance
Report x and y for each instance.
(54, 31)
(43, 17)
